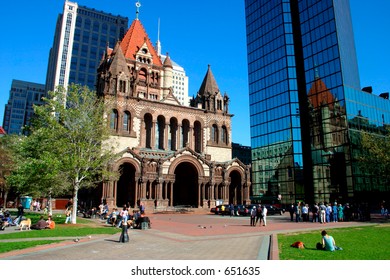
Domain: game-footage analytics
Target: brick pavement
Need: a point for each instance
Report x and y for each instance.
(180, 237)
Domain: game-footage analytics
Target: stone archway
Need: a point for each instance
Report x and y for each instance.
(235, 188)
(185, 187)
(126, 185)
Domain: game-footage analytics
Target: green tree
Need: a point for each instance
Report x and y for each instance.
(375, 155)
(6, 165)
(68, 147)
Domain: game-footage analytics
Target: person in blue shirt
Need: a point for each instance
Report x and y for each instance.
(328, 243)
(335, 212)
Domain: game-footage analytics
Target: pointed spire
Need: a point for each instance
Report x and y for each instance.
(209, 84)
(138, 5)
(168, 62)
(158, 44)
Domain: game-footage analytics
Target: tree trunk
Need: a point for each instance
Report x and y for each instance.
(75, 204)
(50, 205)
(5, 199)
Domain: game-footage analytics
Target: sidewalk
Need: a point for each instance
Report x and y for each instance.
(180, 237)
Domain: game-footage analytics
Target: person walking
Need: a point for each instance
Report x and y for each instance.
(253, 216)
(298, 212)
(315, 210)
(68, 214)
(259, 213)
(264, 215)
(291, 210)
(231, 209)
(322, 213)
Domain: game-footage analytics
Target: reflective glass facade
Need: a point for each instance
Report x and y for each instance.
(301, 60)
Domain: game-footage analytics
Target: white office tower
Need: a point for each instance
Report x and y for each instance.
(179, 77)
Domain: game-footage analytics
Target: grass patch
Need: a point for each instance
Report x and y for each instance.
(84, 227)
(11, 246)
(358, 243)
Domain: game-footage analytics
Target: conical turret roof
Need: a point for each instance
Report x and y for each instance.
(135, 37)
(209, 85)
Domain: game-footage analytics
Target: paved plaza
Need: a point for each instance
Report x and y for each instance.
(196, 236)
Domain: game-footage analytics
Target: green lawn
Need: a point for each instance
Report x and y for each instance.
(358, 243)
(83, 228)
(11, 246)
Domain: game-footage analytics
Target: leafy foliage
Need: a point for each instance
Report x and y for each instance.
(64, 150)
(375, 158)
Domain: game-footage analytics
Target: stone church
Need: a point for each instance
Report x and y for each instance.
(170, 154)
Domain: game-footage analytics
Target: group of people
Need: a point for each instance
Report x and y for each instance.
(324, 212)
(35, 205)
(258, 214)
(44, 224)
(123, 217)
(7, 220)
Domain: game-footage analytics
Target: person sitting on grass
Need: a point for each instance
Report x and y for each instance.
(328, 243)
(41, 224)
(50, 224)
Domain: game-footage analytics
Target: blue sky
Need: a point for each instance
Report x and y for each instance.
(195, 33)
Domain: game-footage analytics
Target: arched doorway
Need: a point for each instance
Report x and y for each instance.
(235, 188)
(185, 188)
(125, 187)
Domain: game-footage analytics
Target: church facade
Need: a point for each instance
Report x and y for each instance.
(168, 154)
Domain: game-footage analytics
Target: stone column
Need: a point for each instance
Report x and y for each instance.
(166, 134)
(191, 137)
(171, 198)
(153, 135)
(142, 134)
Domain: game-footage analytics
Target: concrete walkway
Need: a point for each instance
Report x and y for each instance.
(180, 237)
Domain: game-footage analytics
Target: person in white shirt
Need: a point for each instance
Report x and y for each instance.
(265, 210)
(305, 213)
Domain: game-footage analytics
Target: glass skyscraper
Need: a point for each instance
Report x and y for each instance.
(303, 88)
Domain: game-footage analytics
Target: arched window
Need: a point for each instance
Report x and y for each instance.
(160, 133)
(214, 133)
(142, 75)
(148, 130)
(114, 120)
(224, 136)
(172, 143)
(185, 127)
(198, 137)
(126, 121)
(122, 86)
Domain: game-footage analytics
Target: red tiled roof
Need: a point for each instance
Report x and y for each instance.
(319, 94)
(134, 39)
(2, 131)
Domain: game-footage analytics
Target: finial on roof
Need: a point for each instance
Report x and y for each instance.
(138, 4)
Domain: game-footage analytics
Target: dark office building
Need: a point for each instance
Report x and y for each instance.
(305, 100)
(243, 153)
(19, 109)
(81, 37)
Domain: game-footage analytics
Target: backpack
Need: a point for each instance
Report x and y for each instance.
(298, 244)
